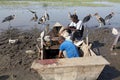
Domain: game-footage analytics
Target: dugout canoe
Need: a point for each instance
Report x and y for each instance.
(87, 67)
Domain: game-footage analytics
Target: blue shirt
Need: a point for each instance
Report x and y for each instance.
(70, 48)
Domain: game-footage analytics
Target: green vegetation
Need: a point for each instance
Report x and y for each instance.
(13, 3)
(114, 1)
(53, 0)
(46, 3)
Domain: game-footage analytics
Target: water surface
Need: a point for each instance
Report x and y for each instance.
(57, 14)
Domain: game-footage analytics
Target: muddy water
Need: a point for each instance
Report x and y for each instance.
(57, 14)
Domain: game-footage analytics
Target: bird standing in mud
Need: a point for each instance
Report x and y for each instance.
(8, 19)
(100, 19)
(108, 17)
(86, 19)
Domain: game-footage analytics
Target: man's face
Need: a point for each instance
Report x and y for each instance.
(73, 19)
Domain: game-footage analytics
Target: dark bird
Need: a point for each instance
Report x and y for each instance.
(108, 17)
(9, 18)
(87, 18)
(100, 19)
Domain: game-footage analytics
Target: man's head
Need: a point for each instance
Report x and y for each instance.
(61, 39)
(74, 18)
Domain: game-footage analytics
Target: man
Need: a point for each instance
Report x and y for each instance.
(68, 47)
(75, 28)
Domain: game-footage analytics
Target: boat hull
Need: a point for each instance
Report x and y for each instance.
(84, 68)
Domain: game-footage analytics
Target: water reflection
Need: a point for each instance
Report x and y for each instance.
(57, 14)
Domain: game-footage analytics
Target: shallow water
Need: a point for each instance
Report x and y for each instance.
(57, 14)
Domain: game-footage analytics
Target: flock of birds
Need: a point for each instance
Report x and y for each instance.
(41, 20)
(98, 17)
(45, 17)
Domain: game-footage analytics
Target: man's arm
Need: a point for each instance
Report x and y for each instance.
(72, 28)
(60, 54)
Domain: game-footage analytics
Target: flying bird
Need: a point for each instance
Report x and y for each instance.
(108, 17)
(100, 19)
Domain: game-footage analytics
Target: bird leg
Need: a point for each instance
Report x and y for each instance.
(9, 24)
(100, 25)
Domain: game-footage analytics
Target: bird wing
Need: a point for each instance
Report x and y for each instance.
(48, 17)
(102, 20)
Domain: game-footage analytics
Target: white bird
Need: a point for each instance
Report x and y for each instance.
(13, 41)
(115, 31)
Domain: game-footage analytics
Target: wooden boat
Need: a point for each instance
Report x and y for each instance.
(87, 67)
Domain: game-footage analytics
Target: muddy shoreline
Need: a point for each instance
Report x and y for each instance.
(15, 62)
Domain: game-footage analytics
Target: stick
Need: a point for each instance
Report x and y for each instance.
(38, 51)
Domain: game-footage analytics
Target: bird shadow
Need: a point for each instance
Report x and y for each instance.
(4, 77)
(109, 73)
(96, 45)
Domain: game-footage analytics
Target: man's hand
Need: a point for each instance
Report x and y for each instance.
(60, 55)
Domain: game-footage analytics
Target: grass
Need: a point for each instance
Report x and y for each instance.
(46, 3)
(114, 1)
(72, 4)
(13, 3)
(52, 0)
